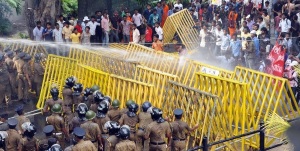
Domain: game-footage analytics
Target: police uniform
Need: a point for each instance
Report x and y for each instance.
(5, 87)
(82, 145)
(112, 141)
(12, 72)
(50, 102)
(38, 76)
(67, 101)
(77, 98)
(131, 122)
(23, 81)
(58, 122)
(94, 107)
(29, 64)
(179, 133)
(21, 117)
(144, 120)
(124, 111)
(92, 132)
(28, 144)
(4, 125)
(125, 145)
(13, 139)
(16, 57)
(43, 143)
(114, 114)
(158, 131)
(76, 122)
(101, 121)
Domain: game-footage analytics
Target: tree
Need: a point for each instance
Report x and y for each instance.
(41, 10)
(5, 12)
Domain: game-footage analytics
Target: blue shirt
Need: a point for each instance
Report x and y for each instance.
(236, 47)
(159, 10)
(147, 14)
(49, 36)
(256, 45)
(153, 19)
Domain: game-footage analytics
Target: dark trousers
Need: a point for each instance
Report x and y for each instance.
(297, 97)
(93, 39)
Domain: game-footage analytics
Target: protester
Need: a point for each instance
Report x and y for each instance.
(75, 37)
(48, 32)
(157, 44)
(67, 31)
(57, 34)
(126, 28)
(159, 31)
(86, 36)
(38, 31)
(136, 34)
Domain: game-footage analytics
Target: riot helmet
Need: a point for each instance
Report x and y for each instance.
(81, 110)
(157, 115)
(98, 97)
(77, 89)
(70, 81)
(29, 129)
(54, 93)
(112, 127)
(124, 133)
(132, 109)
(102, 109)
(145, 106)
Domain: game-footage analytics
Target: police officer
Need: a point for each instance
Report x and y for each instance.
(80, 118)
(3, 122)
(101, 119)
(58, 122)
(28, 142)
(13, 139)
(144, 120)
(92, 130)
(80, 143)
(29, 65)
(43, 144)
(98, 97)
(113, 131)
(125, 144)
(124, 111)
(114, 114)
(68, 100)
(95, 88)
(77, 97)
(55, 147)
(180, 131)
(23, 78)
(12, 73)
(21, 118)
(16, 57)
(38, 73)
(2, 143)
(88, 97)
(54, 100)
(157, 131)
(5, 87)
(131, 119)
(51, 142)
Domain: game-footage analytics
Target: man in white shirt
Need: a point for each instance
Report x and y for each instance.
(179, 5)
(57, 34)
(85, 22)
(61, 21)
(284, 24)
(93, 24)
(137, 19)
(105, 29)
(135, 34)
(159, 31)
(38, 32)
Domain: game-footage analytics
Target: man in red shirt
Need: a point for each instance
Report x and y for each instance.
(148, 36)
(78, 27)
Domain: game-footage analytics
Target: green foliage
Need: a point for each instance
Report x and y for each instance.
(70, 6)
(5, 24)
(15, 4)
(23, 36)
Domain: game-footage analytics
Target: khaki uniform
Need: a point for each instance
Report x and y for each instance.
(12, 75)
(131, 122)
(59, 124)
(50, 102)
(5, 87)
(38, 76)
(179, 135)
(69, 148)
(68, 106)
(94, 107)
(157, 133)
(84, 146)
(76, 100)
(104, 132)
(23, 86)
(92, 131)
(114, 114)
(28, 144)
(144, 120)
(76, 122)
(125, 145)
(12, 141)
(21, 119)
(111, 142)
(43, 144)
(30, 73)
(124, 111)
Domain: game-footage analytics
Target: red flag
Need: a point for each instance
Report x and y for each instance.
(277, 58)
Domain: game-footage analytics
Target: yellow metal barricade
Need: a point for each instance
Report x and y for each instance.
(183, 24)
(200, 108)
(57, 70)
(28, 47)
(89, 76)
(86, 57)
(118, 46)
(268, 94)
(234, 96)
(124, 89)
(157, 78)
